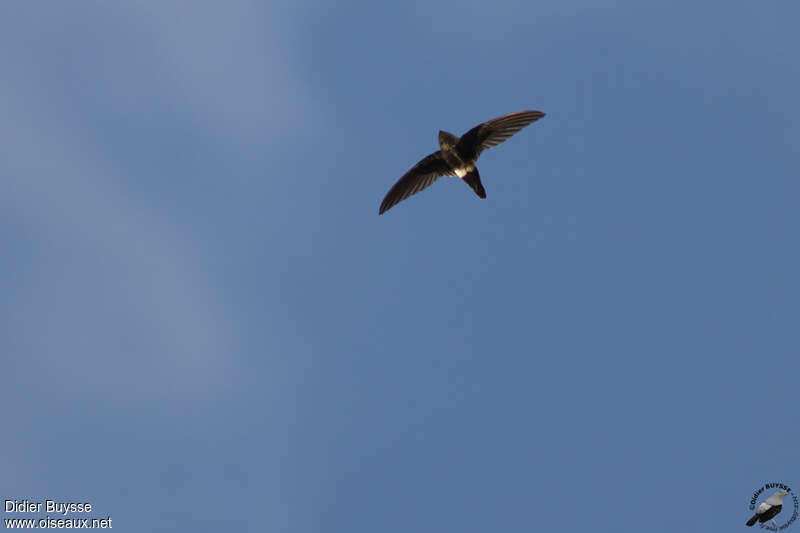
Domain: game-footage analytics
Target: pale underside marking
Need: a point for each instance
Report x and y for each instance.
(463, 171)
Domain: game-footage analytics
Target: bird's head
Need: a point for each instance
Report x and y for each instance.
(447, 139)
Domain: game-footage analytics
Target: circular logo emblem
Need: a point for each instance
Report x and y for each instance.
(774, 507)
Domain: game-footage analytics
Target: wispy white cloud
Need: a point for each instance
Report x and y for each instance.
(102, 268)
(110, 305)
(234, 65)
(114, 286)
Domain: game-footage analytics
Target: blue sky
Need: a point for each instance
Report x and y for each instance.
(206, 326)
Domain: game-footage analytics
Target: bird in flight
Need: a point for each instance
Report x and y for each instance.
(457, 157)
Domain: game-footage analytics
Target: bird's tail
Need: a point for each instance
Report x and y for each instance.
(473, 179)
(753, 520)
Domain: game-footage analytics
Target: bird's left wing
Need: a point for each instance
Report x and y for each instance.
(421, 175)
(495, 131)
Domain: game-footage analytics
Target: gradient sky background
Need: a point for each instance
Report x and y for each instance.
(206, 326)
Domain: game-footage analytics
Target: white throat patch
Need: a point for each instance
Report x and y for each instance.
(463, 171)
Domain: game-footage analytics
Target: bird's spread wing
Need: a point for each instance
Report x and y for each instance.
(421, 175)
(495, 131)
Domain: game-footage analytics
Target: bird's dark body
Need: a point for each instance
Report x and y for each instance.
(461, 158)
(457, 157)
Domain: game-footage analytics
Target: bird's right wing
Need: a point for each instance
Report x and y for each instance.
(495, 131)
(421, 175)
